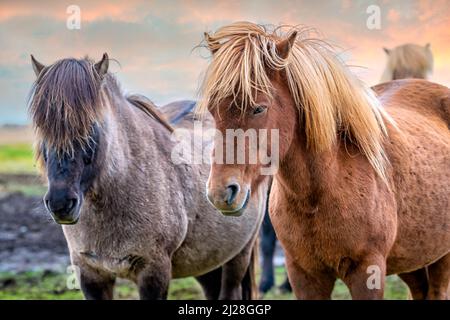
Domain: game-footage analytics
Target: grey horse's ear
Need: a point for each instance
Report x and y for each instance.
(102, 66)
(428, 46)
(37, 66)
(284, 46)
(386, 50)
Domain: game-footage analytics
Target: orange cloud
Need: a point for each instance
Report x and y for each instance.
(90, 10)
(393, 15)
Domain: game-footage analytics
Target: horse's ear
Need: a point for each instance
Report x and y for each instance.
(428, 46)
(211, 45)
(37, 66)
(386, 50)
(285, 45)
(102, 66)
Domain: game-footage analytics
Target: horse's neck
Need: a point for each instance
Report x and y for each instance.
(116, 137)
(137, 150)
(303, 175)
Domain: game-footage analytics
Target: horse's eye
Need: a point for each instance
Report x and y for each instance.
(87, 160)
(88, 156)
(259, 109)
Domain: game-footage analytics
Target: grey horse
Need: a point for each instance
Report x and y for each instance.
(127, 210)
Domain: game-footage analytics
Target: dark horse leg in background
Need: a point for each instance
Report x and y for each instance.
(211, 283)
(234, 280)
(268, 241)
(268, 244)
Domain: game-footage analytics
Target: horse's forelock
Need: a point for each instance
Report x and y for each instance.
(66, 103)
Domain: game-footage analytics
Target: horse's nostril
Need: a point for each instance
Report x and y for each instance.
(72, 204)
(232, 191)
(62, 206)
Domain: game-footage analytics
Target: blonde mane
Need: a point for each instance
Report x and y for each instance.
(408, 61)
(331, 100)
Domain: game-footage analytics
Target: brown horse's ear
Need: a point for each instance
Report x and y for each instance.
(386, 50)
(211, 45)
(285, 45)
(102, 66)
(37, 66)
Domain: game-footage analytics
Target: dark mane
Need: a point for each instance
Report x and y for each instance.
(65, 103)
(144, 104)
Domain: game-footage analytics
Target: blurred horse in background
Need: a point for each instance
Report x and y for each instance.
(126, 208)
(408, 61)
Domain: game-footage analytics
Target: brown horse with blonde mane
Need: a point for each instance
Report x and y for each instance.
(362, 186)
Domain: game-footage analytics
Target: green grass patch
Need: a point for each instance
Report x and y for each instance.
(17, 158)
(41, 285)
(50, 285)
(36, 286)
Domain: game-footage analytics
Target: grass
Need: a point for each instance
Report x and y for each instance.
(41, 285)
(50, 285)
(18, 170)
(17, 158)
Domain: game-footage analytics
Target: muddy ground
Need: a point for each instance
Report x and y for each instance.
(29, 238)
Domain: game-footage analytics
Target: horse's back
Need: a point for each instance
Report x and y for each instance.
(426, 98)
(419, 153)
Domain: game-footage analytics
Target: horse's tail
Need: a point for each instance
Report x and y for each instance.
(248, 284)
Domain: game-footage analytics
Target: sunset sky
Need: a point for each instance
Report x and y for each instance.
(153, 40)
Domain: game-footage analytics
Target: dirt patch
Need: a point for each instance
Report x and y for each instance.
(29, 238)
(16, 134)
(19, 178)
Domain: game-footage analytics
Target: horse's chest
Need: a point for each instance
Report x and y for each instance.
(121, 249)
(300, 236)
(109, 253)
(315, 239)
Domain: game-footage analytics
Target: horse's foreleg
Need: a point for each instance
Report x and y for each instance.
(365, 279)
(439, 278)
(153, 280)
(417, 282)
(309, 286)
(96, 286)
(233, 273)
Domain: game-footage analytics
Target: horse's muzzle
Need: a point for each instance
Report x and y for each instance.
(231, 201)
(63, 210)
